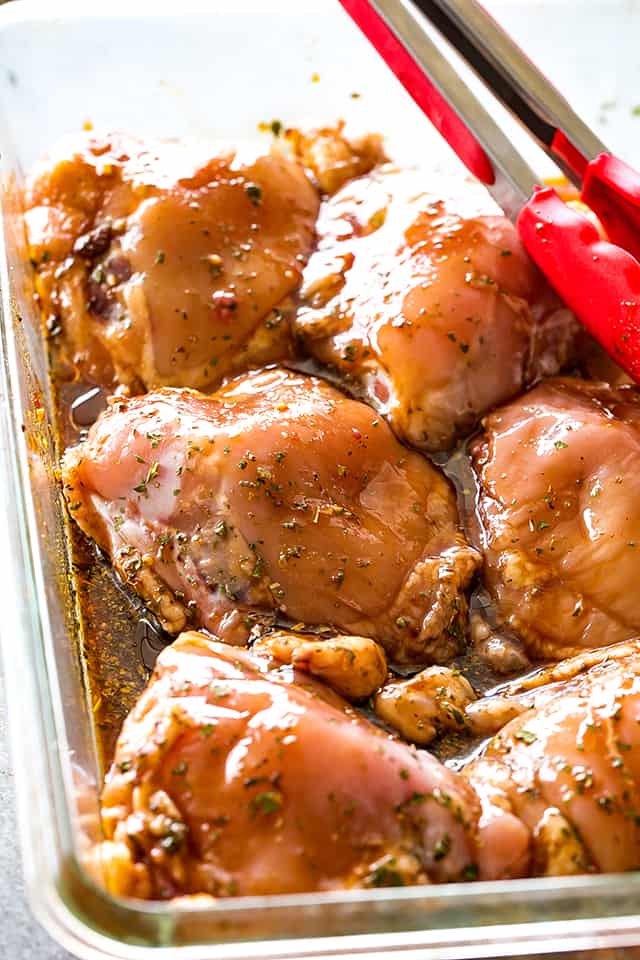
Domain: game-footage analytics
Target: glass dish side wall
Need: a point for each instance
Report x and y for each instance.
(36, 538)
(51, 722)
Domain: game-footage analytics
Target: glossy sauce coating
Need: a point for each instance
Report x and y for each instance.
(559, 509)
(275, 495)
(278, 499)
(421, 296)
(166, 265)
(232, 779)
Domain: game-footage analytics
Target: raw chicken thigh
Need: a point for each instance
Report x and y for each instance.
(568, 770)
(165, 265)
(276, 495)
(559, 515)
(421, 298)
(229, 779)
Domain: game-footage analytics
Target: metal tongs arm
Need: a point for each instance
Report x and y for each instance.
(422, 67)
(599, 280)
(516, 82)
(610, 187)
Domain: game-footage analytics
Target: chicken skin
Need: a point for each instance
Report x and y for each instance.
(276, 495)
(568, 770)
(423, 300)
(165, 265)
(232, 779)
(559, 515)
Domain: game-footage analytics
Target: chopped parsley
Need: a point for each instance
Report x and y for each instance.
(268, 802)
(526, 736)
(442, 848)
(254, 192)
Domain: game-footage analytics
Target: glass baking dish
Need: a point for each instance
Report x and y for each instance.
(217, 69)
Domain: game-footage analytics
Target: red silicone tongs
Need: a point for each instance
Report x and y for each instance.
(598, 279)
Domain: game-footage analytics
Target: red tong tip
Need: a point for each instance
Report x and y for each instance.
(598, 280)
(612, 189)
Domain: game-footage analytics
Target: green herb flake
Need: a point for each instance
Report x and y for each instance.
(268, 802)
(254, 192)
(442, 848)
(417, 798)
(153, 471)
(385, 876)
(526, 736)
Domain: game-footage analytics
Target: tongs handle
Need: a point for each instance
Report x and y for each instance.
(421, 88)
(516, 82)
